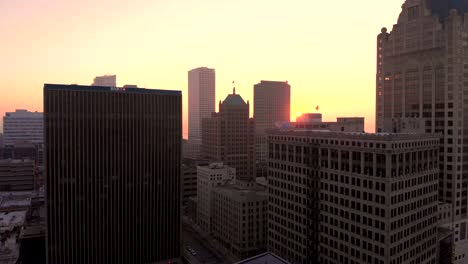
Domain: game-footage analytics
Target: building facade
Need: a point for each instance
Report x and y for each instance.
(228, 136)
(113, 166)
(272, 104)
(106, 81)
(209, 177)
(17, 175)
(339, 197)
(422, 72)
(314, 122)
(23, 126)
(189, 179)
(201, 100)
(239, 215)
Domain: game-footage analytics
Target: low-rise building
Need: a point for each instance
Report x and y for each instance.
(239, 214)
(314, 122)
(22, 213)
(17, 175)
(208, 177)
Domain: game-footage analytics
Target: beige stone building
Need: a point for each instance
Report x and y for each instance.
(209, 177)
(239, 214)
(422, 72)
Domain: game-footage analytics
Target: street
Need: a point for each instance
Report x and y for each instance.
(204, 256)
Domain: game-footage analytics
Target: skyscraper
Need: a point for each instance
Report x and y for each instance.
(113, 166)
(338, 197)
(272, 104)
(422, 72)
(23, 126)
(228, 136)
(105, 80)
(201, 100)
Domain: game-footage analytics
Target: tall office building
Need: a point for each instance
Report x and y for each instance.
(23, 126)
(113, 166)
(338, 197)
(272, 104)
(422, 72)
(201, 100)
(106, 80)
(228, 136)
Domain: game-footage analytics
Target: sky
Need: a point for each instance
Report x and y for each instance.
(326, 50)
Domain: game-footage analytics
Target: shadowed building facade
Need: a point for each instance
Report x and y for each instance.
(422, 73)
(338, 197)
(228, 137)
(113, 163)
(272, 104)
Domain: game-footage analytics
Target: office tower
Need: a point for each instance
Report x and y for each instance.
(16, 175)
(201, 100)
(228, 136)
(239, 216)
(272, 103)
(208, 177)
(113, 166)
(422, 73)
(106, 80)
(338, 197)
(23, 126)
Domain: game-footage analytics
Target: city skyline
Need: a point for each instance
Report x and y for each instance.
(240, 41)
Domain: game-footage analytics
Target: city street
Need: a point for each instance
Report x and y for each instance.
(204, 256)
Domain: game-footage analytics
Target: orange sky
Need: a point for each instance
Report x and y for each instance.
(324, 49)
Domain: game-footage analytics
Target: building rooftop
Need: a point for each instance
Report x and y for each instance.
(265, 258)
(234, 99)
(240, 191)
(12, 201)
(10, 227)
(74, 87)
(353, 135)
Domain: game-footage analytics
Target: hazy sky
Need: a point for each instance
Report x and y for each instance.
(324, 49)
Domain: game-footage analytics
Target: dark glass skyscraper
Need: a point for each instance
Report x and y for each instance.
(113, 161)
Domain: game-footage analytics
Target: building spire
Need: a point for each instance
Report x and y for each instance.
(234, 88)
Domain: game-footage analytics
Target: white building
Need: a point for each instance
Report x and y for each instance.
(106, 80)
(23, 126)
(201, 100)
(208, 177)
